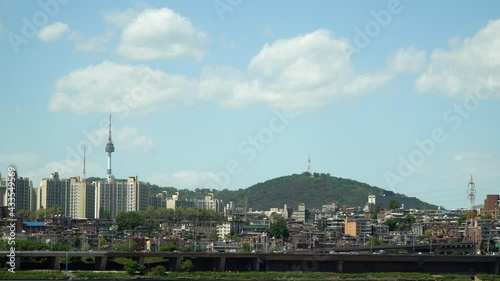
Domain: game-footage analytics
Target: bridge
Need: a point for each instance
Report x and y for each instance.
(438, 249)
(317, 262)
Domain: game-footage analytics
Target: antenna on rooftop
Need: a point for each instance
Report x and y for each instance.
(246, 209)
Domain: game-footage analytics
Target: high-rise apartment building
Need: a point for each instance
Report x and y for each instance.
(116, 196)
(159, 200)
(75, 198)
(23, 192)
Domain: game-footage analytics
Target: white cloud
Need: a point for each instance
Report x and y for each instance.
(16, 109)
(94, 44)
(465, 65)
(299, 75)
(226, 43)
(480, 164)
(160, 34)
(182, 179)
(191, 179)
(75, 35)
(128, 90)
(407, 60)
(120, 19)
(22, 160)
(268, 31)
(65, 168)
(472, 156)
(115, 20)
(52, 32)
(128, 138)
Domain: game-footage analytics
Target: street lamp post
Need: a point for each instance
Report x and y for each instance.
(430, 245)
(371, 243)
(413, 242)
(474, 245)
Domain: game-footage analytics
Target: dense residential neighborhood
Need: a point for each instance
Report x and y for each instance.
(208, 226)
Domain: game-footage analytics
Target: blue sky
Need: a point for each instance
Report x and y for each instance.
(225, 94)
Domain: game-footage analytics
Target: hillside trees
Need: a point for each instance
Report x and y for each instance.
(129, 220)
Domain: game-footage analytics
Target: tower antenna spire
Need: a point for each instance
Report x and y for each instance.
(109, 149)
(109, 130)
(309, 169)
(84, 176)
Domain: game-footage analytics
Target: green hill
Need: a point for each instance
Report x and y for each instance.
(314, 191)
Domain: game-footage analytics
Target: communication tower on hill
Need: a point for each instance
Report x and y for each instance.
(84, 176)
(309, 165)
(471, 194)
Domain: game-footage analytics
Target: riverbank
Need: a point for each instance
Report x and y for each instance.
(242, 276)
(33, 275)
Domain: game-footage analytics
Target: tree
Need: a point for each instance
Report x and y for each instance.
(25, 215)
(149, 213)
(40, 214)
(133, 267)
(375, 242)
(169, 247)
(60, 247)
(213, 236)
(246, 248)
(119, 246)
(187, 265)
(158, 270)
(394, 204)
(53, 211)
(278, 229)
(374, 216)
(76, 242)
(232, 236)
(410, 219)
(486, 215)
(401, 226)
(462, 219)
(129, 220)
(31, 244)
(392, 223)
(261, 217)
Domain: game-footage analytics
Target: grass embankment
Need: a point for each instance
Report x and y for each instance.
(33, 275)
(386, 276)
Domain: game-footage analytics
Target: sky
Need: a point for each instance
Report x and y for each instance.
(402, 95)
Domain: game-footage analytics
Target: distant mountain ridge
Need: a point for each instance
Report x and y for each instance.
(314, 190)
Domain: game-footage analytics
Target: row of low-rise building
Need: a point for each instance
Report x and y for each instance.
(332, 227)
(207, 203)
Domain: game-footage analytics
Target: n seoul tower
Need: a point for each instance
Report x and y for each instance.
(109, 149)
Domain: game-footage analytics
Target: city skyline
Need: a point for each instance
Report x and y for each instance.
(397, 94)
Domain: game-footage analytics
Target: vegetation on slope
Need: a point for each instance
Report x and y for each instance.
(313, 190)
